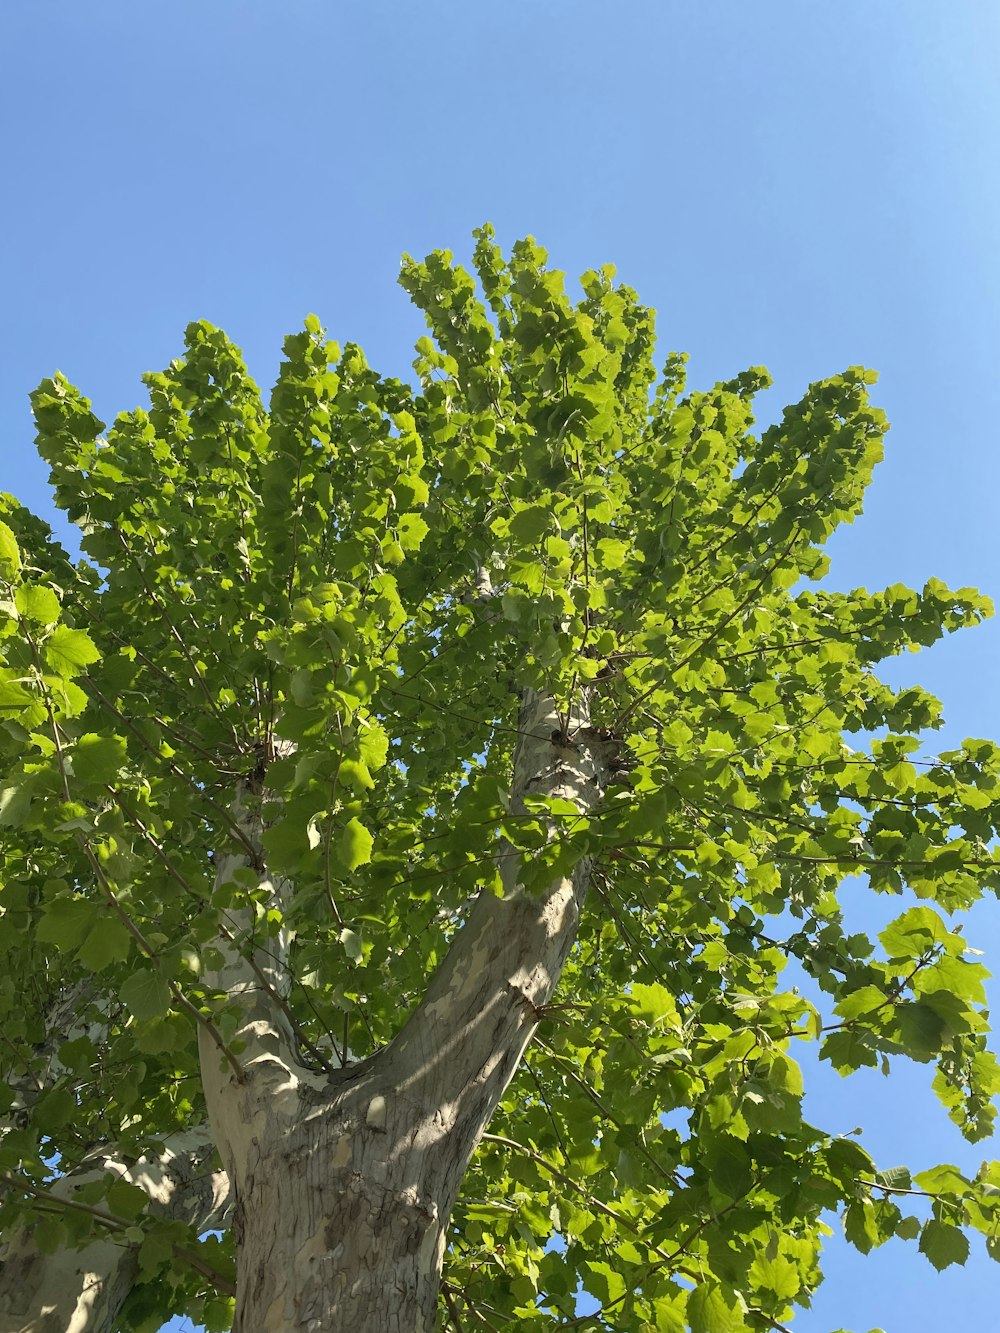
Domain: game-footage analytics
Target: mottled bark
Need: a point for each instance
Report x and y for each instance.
(82, 1291)
(345, 1182)
(71, 1291)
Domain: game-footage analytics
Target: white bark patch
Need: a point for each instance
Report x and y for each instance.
(375, 1119)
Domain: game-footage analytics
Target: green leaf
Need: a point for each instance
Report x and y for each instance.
(896, 1177)
(15, 802)
(107, 943)
(355, 847)
(731, 1167)
(613, 552)
(37, 603)
(355, 775)
(411, 491)
(861, 1225)
(66, 922)
(98, 759)
(669, 1310)
(655, 1004)
(146, 994)
(286, 842)
(69, 651)
(78, 1054)
(866, 1001)
(10, 555)
(352, 945)
(54, 1109)
(373, 744)
(14, 698)
(943, 1179)
(155, 1253)
(602, 1281)
(412, 531)
(712, 1308)
(943, 1244)
(848, 1051)
(530, 524)
(126, 1200)
(778, 1275)
(913, 933)
(921, 1028)
(49, 1234)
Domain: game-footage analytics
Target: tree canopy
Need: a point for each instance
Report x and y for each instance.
(332, 610)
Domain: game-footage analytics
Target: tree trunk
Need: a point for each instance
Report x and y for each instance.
(345, 1182)
(71, 1291)
(341, 1223)
(82, 1291)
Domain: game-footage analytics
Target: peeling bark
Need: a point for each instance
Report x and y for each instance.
(345, 1182)
(82, 1291)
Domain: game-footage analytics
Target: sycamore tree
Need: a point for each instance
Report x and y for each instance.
(422, 811)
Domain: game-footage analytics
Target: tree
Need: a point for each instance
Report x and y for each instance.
(418, 793)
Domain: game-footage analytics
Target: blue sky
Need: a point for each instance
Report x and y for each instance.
(801, 184)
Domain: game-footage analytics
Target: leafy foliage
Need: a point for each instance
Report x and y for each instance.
(297, 590)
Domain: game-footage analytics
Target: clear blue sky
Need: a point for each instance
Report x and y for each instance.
(793, 182)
